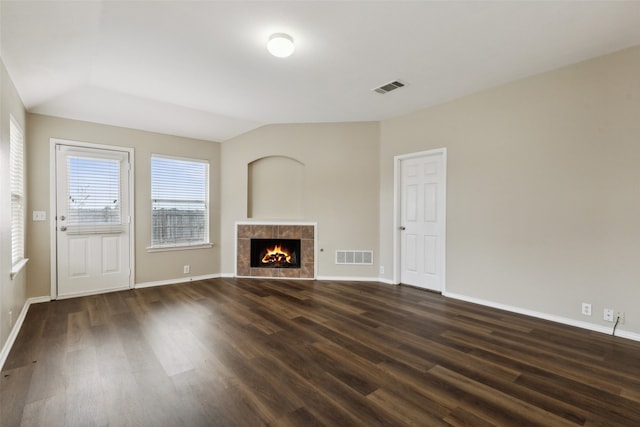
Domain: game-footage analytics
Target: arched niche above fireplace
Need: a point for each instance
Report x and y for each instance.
(275, 188)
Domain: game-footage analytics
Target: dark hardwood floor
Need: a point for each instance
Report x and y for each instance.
(240, 352)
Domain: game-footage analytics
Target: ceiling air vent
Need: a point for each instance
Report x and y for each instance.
(389, 87)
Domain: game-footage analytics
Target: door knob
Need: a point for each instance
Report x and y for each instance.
(63, 228)
(403, 228)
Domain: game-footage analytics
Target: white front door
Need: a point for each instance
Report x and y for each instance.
(422, 221)
(93, 220)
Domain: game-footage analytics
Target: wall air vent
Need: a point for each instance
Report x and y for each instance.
(389, 87)
(354, 257)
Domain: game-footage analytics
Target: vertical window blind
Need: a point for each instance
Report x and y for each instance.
(179, 205)
(94, 204)
(16, 172)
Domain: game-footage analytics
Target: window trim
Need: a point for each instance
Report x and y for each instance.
(152, 249)
(17, 267)
(182, 246)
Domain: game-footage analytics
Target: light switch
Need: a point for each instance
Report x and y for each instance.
(39, 216)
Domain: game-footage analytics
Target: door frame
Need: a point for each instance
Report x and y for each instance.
(53, 142)
(397, 205)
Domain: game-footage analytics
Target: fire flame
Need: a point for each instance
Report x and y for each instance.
(276, 256)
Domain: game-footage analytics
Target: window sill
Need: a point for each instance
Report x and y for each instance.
(18, 266)
(178, 247)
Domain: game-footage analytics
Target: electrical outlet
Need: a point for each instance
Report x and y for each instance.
(382, 269)
(608, 315)
(620, 317)
(186, 269)
(586, 309)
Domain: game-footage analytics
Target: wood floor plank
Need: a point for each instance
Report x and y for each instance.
(570, 367)
(257, 352)
(14, 392)
(498, 407)
(405, 410)
(315, 403)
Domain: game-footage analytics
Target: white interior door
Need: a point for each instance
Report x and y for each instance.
(93, 220)
(422, 221)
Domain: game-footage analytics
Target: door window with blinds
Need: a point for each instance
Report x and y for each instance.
(179, 202)
(16, 172)
(94, 202)
(94, 194)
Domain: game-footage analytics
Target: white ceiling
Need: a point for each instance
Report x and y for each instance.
(200, 69)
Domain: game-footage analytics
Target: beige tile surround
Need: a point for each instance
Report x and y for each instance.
(305, 232)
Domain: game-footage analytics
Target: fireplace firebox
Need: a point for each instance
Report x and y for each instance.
(275, 253)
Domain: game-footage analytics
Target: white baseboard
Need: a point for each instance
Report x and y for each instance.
(349, 278)
(174, 281)
(38, 300)
(272, 278)
(545, 316)
(16, 327)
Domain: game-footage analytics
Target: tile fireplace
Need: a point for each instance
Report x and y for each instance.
(276, 249)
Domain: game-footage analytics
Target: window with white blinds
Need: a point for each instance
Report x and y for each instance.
(16, 172)
(179, 202)
(94, 204)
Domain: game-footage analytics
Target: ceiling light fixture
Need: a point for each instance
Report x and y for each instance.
(280, 45)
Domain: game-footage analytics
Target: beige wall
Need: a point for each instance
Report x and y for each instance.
(150, 267)
(12, 292)
(542, 189)
(340, 186)
(542, 200)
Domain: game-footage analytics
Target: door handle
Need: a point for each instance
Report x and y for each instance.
(63, 228)
(403, 228)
